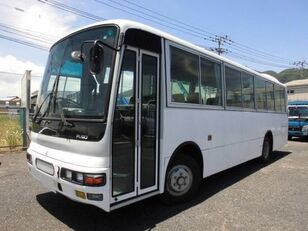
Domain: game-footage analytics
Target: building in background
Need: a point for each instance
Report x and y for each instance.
(297, 90)
(10, 101)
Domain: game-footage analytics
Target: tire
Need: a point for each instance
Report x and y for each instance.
(182, 180)
(266, 150)
(289, 137)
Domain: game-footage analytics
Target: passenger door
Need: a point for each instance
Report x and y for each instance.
(135, 126)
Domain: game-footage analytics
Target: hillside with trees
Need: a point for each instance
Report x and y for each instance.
(289, 74)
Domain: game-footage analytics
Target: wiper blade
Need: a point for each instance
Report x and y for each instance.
(40, 107)
(51, 94)
(63, 119)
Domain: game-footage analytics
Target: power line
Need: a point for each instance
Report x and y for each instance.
(192, 30)
(154, 15)
(170, 18)
(85, 14)
(260, 52)
(70, 9)
(257, 61)
(26, 35)
(30, 44)
(248, 52)
(27, 31)
(151, 20)
(216, 37)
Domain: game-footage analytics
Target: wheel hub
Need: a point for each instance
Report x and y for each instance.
(179, 180)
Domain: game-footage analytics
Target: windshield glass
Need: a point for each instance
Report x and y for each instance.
(298, 111)
(69, 89)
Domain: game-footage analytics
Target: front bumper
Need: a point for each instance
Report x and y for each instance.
(71, 190)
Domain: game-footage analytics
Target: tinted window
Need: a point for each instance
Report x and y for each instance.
(278, 99)
(184, 76)
(211, 93)
(260, 94)
(247, 90)
(298, 111)
(283, 99)
(270, 96)
(233, 88)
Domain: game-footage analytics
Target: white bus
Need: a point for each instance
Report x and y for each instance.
(126, 112)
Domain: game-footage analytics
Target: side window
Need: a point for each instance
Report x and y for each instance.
(260, 94)
(283, 99)
(211, 93)
(184, 70)
(270, 96)
(126, 86)
(279, 99)
(233, 88)
(278, 105)
(247, 89)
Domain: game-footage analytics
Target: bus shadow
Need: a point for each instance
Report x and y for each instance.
(145, 214)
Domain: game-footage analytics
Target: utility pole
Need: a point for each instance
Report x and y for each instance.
(301, 65)
(221, 40)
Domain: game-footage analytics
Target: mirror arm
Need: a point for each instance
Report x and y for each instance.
(99, 43)
(102, 45)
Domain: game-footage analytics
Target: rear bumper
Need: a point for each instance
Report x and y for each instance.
(56, 184)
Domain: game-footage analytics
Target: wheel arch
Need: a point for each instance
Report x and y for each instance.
(191, 149)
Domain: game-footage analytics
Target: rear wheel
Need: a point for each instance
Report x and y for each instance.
(289, 137)
(182, 180)
(266, 150)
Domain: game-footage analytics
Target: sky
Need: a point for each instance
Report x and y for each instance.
(263, 34)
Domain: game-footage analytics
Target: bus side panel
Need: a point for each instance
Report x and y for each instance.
(226, 138)
(281, 132)
(219, 159)
(241, 140)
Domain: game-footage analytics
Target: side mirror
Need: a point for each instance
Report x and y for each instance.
(96, 58)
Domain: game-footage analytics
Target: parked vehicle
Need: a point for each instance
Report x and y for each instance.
(298, 119)
(126, 112)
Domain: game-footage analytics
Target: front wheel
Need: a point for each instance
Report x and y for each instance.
(182, 180)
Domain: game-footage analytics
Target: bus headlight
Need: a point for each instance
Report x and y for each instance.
(305, 128)
(80, 178)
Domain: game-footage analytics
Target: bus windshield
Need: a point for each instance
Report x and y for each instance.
(69, 90)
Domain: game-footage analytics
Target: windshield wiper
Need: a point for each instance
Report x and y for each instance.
(63, 119)
(40, 107)
(51, 94)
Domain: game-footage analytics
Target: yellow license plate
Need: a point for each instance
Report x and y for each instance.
(80, 194)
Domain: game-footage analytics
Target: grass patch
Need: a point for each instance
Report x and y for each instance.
(10, 132)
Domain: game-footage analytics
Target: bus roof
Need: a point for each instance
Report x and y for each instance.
(129, 24)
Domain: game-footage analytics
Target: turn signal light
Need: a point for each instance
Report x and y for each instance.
(94, 180)
(80, 178)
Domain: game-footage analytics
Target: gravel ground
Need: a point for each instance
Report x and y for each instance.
(247, 197)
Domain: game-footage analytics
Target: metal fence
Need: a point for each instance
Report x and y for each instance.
(13, 128)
